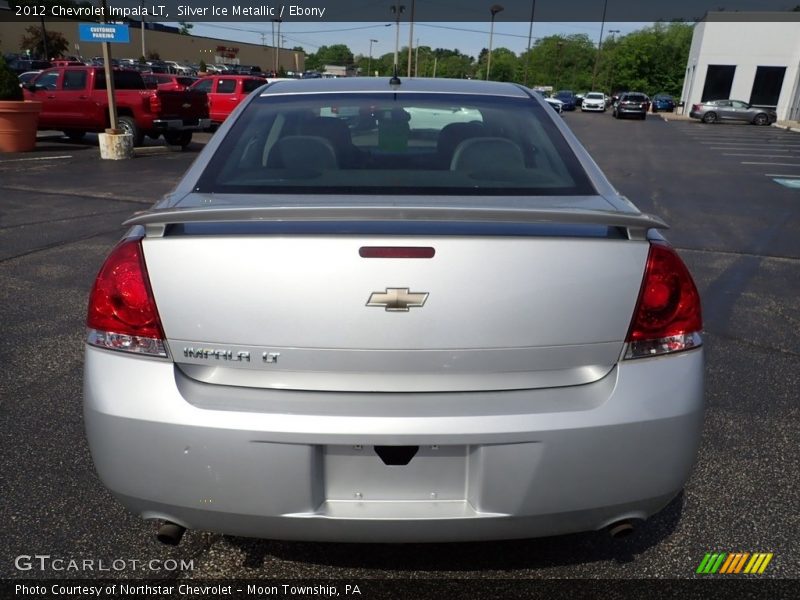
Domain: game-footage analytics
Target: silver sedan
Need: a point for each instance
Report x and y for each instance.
(716, 111)
(397, 332)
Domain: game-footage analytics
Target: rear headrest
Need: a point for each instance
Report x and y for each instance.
(302, 152)
(453, 134)
(486, 153)
(332, 129)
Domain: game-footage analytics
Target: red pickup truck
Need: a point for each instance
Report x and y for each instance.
(74, 100)
(225, 92)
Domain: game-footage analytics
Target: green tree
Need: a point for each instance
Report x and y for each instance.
(337, 54)
(57, 44)
(9, 83)
(504, 65)
(185, 28)
(653, 59)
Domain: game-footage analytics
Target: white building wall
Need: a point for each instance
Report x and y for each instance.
(748, 45)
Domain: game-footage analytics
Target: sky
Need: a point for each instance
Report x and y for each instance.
(467, 37)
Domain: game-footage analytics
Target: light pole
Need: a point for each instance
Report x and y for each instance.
(599, 43)
(410, 36)
(275, 45)
(611, 32)
(560, 45)
(397, 9)
(494, 9)
(369, 61)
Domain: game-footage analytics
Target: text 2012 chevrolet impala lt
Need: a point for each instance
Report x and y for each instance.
(396, 311)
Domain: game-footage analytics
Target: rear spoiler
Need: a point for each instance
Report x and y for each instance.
(155, 221)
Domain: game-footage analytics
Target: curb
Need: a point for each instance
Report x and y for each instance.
(787, 127)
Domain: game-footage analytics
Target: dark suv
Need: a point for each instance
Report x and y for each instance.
(632, 103)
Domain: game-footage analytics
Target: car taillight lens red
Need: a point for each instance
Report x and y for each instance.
(155, 104)
(122, 310)
(668, 316)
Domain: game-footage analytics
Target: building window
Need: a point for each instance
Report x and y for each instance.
(767, 86)
(719, 80)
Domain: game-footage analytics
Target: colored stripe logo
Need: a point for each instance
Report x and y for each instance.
(729, 563)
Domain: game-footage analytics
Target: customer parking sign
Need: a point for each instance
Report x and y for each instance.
(103, 32)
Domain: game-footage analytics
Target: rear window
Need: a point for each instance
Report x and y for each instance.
(390, 143)
(123, 80)
(250, 85)
(226, 86)
(634, 98)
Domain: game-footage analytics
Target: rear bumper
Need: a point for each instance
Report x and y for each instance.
(181, 124)
(563, 460)
(624, 110)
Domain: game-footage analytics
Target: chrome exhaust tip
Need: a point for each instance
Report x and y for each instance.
(170, 533)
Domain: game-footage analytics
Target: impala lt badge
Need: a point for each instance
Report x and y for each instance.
(397, 299)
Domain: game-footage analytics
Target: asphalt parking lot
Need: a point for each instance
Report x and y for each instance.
(737, 228)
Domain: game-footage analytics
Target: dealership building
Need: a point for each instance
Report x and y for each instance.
(158, 39)
(753, 57)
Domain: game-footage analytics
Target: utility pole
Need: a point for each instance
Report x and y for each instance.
(416, 60)
(45, 47)
(530, 38)
(599, 44)
(141, 6)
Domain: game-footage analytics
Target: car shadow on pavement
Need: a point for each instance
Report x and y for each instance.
(535, 554)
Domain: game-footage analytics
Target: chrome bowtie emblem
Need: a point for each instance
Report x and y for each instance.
(397, 299)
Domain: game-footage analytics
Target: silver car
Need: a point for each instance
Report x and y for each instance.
(390, 333)
(715, 111)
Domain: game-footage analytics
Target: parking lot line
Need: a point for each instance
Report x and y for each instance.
(797, 175)
(772, 163)
(778, 145)
(758, 155)
(36, 158)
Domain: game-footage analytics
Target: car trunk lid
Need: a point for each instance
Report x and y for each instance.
(273, 300)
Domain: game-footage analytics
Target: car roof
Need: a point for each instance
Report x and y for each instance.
(407, 85)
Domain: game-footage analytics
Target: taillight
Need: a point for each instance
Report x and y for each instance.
(122, 311)
(695, 107)
(667, 317)
(155, 104)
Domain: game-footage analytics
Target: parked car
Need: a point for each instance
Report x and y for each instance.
(631, 103)
(322, 334)
(168, 81)
(24, 65)
(74, 100)
(178, 68)
(594, 101)
(663, 102)
(27, 77)
(557, 105)
(715, 111)
(567, 97)
(225, 92)
(253, 70)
